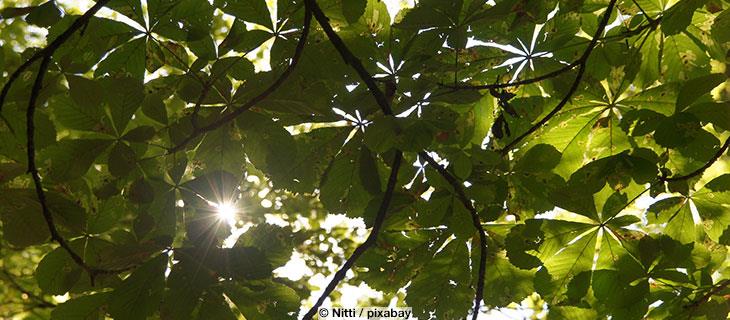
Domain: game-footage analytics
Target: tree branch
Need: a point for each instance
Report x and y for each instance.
(461, 195)
(369, 242)
(350, 58)
(384, 103)
(702, 169)
(46, 55)
(33, 170)
(581, 70)
(51, 48)
(261, 96)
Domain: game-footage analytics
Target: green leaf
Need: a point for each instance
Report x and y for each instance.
(123, 95)
(264, 299)
(141, 191)
(237, 67)
(343, 188)
(214, 306)
(127, 60)
(122, 160)
(23, 221)
(72, 158)
(138, 296)
(88, 48)
(139, 134)
(709, 202)
(186, 284)
(255, 11)
(44, 15)
(57, 272)
(695, 88)
(81, 308)
(679, 16)
(353, 9)
(130, 8)
(541, 157)
(380, 135)
(721, 25)
(241, 263)
(184, 20)
(504, 283)
(277, 243)
(442, 286)
(154, 107)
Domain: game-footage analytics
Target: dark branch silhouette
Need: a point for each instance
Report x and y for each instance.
(459, 190)
(260, 97)
(384, 103)
(581, 70)
(350, 58)
(369, 242)
(46, 55)
(701, 169)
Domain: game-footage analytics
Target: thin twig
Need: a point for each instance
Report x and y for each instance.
(461, 195)
(702, 169)
(721, 286)
(369, 242)
(648, 18)
(261, 96)
(40, 301)
(651, 25)
(581, 70)
(51, 48)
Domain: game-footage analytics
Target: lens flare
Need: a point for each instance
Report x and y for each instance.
(226, 212)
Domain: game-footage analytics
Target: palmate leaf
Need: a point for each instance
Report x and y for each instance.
(712, 217)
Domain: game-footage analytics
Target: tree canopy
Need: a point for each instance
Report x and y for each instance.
(171, 159)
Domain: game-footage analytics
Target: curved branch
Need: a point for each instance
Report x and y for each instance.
(459, 190)
(384, 104)
(40, 193)
(702, 169)
(46, 55)
(369, 242)
(51, 48)
(581, 70)
(261, 96)
(350, 58)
